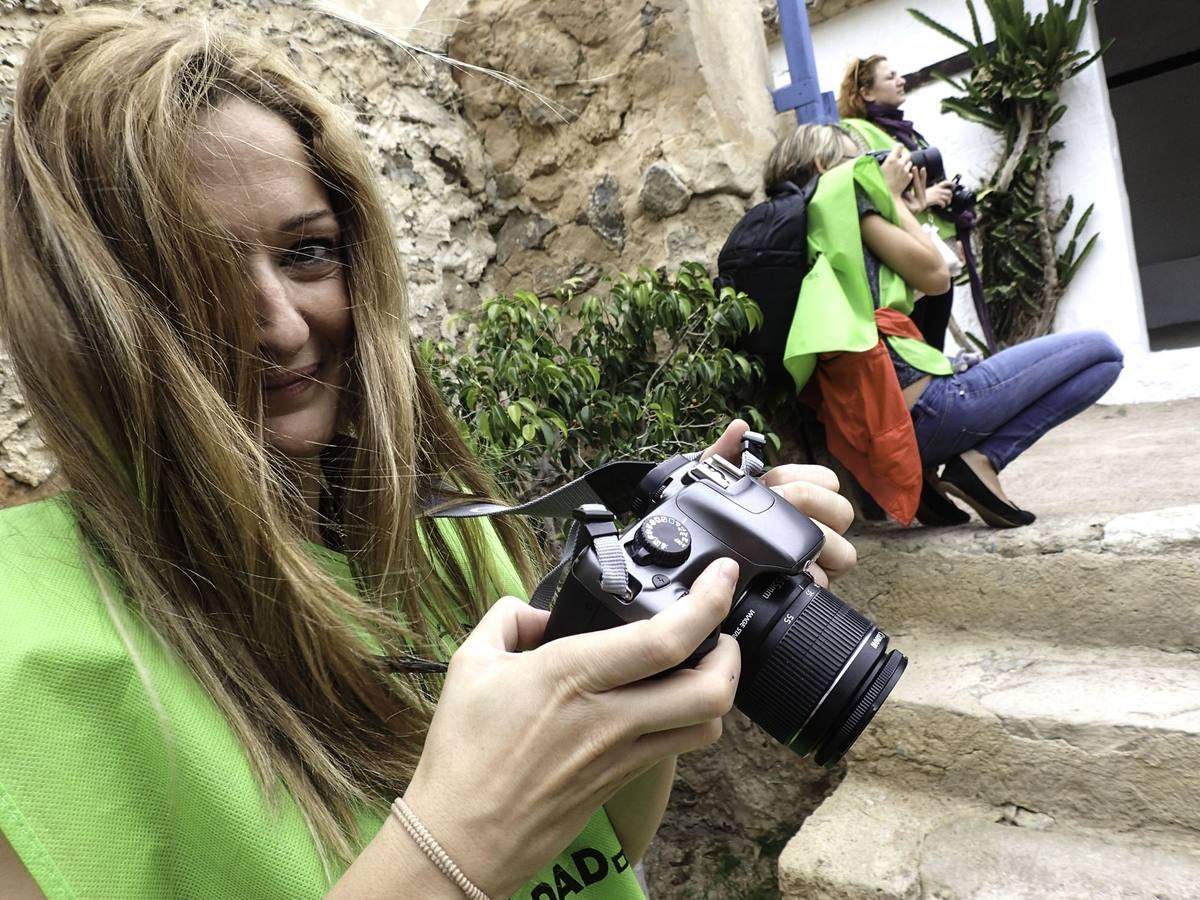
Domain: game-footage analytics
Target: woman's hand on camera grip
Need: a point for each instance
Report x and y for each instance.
(939, 195)
(897, 170)
(526, 746)
(915, 198)
(814, 491)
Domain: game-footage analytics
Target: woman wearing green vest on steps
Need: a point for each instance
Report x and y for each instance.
(204, 305)
(869, 101)
(866, 253)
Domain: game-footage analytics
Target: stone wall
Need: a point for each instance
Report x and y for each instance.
(733, 808)
(639, 141)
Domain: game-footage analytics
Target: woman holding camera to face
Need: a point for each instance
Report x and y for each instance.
(869, 101)
(890, 402)
(206, 312)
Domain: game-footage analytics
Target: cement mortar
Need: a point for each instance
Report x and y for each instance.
(1114, 558)
(878, 840)
(1051, 686)
(1080, 594)
(1111, 460)
(983, 861)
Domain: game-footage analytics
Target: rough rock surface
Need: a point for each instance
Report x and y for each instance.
(613, 91)
(603, 214)
(26, 463)
(663, 194)
(733, 808)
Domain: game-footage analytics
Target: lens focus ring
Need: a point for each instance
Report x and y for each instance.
(803, 665)
(852, 726)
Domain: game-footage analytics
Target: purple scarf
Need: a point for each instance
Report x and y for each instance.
(891, 119)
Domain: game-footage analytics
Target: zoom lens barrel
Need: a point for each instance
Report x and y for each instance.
(814, 670)
(927, 158)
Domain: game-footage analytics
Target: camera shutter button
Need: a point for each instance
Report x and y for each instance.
(661, 541)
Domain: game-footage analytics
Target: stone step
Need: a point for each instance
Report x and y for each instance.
(1130, 580)
(876, 840)
(1109, 736)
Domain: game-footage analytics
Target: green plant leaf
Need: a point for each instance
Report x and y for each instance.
(939, 28)
(1066, 277)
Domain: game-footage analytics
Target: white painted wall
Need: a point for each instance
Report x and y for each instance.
(1106, 292)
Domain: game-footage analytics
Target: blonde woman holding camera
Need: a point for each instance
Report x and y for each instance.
(205, 308)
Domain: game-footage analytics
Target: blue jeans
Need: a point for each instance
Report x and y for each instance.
(1008, 401)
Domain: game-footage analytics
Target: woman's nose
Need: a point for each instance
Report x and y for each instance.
(282, 327)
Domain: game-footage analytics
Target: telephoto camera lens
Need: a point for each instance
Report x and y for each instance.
(927, 158)
(814, 670)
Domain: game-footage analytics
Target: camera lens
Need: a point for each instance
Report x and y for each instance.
(929, 159)
(814, 670)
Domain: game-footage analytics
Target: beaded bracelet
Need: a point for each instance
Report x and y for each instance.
(426, 841)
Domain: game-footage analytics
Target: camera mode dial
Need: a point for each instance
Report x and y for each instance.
(661, 541)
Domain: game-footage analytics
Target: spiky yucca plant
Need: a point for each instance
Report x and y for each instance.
(1013, 89)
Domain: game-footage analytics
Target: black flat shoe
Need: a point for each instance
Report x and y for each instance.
(936, 510)
(959, 480)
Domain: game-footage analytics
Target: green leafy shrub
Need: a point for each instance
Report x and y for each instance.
(1013, 90)
(546, 389)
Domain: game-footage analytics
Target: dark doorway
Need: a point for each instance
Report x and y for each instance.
(1153, 73)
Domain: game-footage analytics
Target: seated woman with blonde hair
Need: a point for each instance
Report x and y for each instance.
(891, 404)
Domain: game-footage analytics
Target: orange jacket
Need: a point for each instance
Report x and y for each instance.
(868, 428)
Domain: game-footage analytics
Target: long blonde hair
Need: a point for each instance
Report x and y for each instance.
(859, 77)
(131, 328)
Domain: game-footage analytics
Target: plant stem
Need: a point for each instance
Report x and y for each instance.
(1050, 288)
(1024, 126)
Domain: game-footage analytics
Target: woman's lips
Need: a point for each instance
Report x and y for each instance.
(288, 382)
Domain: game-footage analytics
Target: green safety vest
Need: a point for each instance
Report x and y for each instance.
(835, 311)
(103, 798)
(878, 139)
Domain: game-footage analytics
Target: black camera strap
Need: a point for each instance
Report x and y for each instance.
(613, 484)
(594, 500)
(977, 295)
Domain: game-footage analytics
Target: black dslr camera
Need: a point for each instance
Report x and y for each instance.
(930, 159)
(814, 671)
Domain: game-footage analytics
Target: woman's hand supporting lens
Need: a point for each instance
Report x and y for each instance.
(915, 197)
(939, 195)
(905, 248)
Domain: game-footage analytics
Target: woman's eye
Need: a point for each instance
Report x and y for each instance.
(313, 254)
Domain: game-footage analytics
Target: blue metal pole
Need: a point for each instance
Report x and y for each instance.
(804, 93)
